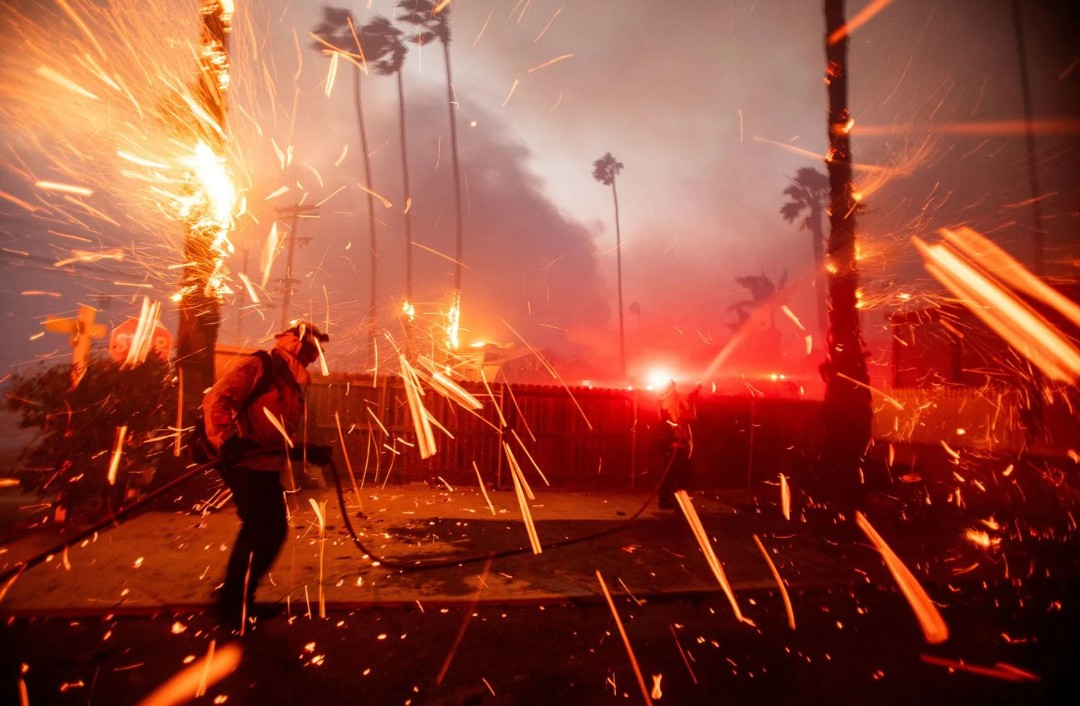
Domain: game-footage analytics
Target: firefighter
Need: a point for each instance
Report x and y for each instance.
(253, 417)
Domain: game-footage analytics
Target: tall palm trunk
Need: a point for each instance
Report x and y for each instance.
(405, 186)
(618, 272)
(452, 102)
(848, 413)
(372, 242)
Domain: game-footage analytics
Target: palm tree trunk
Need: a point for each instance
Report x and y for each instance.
(618, 265)
(848, 413)
(372, 243)
(405, 185)
(821, 282)
(452, 102)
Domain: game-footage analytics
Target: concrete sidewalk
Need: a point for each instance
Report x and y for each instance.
(160, 561)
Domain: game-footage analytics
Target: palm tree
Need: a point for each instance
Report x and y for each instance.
(604, 171)
(385, 45)
(764, 295)
(337, 34)
(808, 191)
(433, 22)
(848, 414)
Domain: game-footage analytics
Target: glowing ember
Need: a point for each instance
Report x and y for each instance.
(193, 680)
(933, 625)
(687, 507)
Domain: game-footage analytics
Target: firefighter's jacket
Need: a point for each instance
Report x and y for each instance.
(267, 419)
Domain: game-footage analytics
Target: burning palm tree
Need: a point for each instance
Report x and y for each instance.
(605, 170)
(848, 414)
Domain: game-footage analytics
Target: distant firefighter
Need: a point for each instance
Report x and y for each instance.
(677, 412)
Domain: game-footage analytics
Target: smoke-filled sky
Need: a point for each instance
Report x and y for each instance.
(711, 106)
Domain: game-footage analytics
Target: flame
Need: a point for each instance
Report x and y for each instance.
(453, 324)
(104, 95)
(981, 538)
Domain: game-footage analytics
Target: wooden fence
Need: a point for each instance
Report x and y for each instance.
(574, 438)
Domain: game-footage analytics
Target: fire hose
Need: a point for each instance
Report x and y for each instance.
(120, 516)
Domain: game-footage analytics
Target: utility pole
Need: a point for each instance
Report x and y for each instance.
(288, 281)
(1029, 136)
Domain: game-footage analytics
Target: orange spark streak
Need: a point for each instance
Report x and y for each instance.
(994, 128)
(118, 450)
(549, 62)
(933, 625)
(861, 18)
(455, 392)
(779, 582)
(529, 456)
(1001, 670)
(425, 439)
(483, 488)
(536, 353)
(891, 400)
(791, 315)
(180, 411)
(64, 188)
(857, 166)
(320, 516)
(61, 80)
(85, 256)
(464, 622)
(626, 639)
(278, 425)
(1004, 266)
(433, 251)
(385, 202)
(18, 202)
(520, 487)
(484, 27)
(1018, 324)
(348, 463)
(198, 675)
(785, 497)
(513, 88)
(548, 25)
(143, 338)
(683, 499)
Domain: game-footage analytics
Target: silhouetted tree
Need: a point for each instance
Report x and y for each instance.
(762, 293)
(763, 337)
(848, 413)
(338, 34)
(604, 171)
(436, 25)
(808, 192)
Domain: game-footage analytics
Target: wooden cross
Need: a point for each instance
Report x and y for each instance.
(83, 331)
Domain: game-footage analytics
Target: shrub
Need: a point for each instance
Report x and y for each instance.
(70, 457)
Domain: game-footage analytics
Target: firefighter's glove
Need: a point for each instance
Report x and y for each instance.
(236, 449)
(319, 454)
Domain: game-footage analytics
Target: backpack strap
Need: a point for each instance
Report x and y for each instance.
(263, 384)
